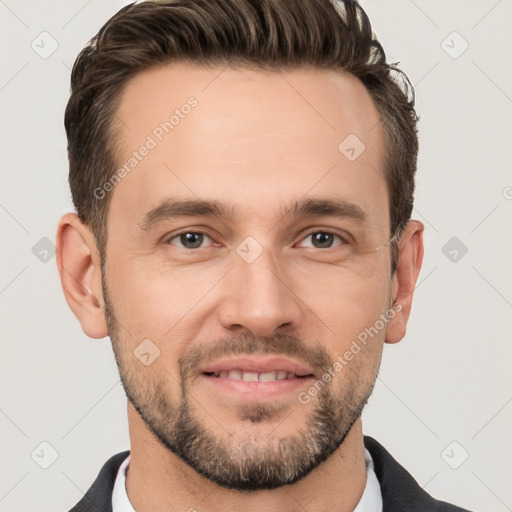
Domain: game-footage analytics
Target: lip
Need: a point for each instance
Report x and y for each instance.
(261, 364)
(254, 391)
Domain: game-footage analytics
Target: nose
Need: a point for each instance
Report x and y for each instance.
(259, 297)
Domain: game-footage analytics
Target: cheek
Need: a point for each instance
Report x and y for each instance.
(344, 303)
(157, 301)
(153, 299)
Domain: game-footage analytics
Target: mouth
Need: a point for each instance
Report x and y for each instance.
(257, 368)
(256, 377)
(239, 374)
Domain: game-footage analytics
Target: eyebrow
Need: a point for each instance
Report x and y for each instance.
(325, 207)
(171, 208)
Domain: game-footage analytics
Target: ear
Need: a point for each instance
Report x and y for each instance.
(78, 261)
(410, 257)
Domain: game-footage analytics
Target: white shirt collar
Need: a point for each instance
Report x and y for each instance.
(120, 501)
(371, 499)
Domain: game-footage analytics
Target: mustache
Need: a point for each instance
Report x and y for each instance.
(313, 355)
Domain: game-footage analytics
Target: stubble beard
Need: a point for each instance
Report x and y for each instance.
(254, 462)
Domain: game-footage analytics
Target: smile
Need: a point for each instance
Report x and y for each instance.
(255, 376)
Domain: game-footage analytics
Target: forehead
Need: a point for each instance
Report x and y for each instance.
(254, 138)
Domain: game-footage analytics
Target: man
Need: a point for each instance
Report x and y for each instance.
(243, 175)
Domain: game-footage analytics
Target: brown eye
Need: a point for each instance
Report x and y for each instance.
(189, 240)
(323, 239)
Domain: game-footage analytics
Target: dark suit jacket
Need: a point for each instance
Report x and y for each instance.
(400, 492)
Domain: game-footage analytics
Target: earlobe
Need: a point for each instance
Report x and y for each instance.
(78, 262)
(410, 258)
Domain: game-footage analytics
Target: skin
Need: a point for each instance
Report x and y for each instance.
(258, 140)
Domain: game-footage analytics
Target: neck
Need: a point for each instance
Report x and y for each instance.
(159, 480)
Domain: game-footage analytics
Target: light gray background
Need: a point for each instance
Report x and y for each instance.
(448, 380)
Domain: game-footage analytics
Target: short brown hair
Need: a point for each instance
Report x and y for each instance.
(271, 34)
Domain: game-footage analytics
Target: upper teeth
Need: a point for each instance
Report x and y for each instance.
(255, 376)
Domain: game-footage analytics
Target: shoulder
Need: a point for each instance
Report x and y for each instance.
(400, 491)
(99, 496)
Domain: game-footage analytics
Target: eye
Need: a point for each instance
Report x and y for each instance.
(189, 239)
(195, 240)
(323, 239)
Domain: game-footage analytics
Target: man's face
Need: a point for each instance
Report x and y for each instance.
(249, 309)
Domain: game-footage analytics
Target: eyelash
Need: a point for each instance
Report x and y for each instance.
(324, 231)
